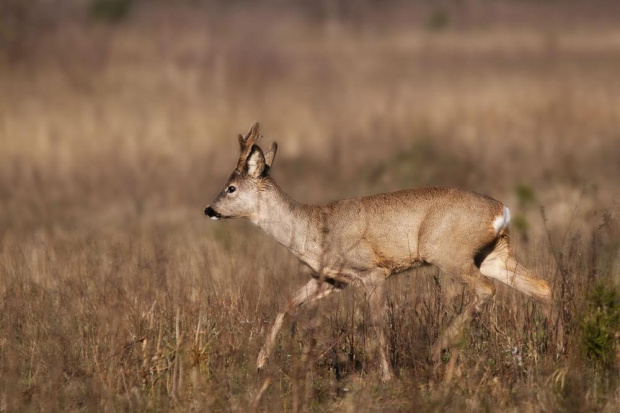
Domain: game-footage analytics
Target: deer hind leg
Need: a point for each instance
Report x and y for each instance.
(481, 291)
(314, 290)
(499, 264)
(374, 289)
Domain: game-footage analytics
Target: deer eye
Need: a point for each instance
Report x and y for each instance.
(231, 189)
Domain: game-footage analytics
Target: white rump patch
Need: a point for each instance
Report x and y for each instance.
(502, 221)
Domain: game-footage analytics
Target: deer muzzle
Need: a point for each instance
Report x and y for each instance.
(212, 213)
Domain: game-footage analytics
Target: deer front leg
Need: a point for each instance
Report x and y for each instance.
(315, 289)
(374, 288)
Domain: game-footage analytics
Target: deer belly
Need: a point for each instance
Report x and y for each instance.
(398, 254)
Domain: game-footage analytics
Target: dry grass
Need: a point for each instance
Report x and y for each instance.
(116, 294)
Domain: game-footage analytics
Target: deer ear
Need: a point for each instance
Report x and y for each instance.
(270, 154)
(255, 164)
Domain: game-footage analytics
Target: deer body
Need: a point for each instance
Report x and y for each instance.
(393, 231)
(362, 241)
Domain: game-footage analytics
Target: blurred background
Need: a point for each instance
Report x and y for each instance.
(118, 123)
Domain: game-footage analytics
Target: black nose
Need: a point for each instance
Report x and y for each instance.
(210, 212)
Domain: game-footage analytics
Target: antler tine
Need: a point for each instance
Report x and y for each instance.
(246, 142)
(253, 134)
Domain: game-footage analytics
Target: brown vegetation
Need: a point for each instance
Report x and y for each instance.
(116, 293)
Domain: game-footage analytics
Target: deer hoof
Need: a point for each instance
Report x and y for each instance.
(261, 361)
(386, 376)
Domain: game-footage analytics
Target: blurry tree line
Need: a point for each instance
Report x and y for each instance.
(23, 23)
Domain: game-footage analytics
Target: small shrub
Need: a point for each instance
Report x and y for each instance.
(600, 325)
(519, 222)
(525, 195)
(438, 20)
(525, 199)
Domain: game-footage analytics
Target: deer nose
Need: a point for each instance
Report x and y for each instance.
(211, 213)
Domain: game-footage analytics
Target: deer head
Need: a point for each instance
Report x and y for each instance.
(240, 196)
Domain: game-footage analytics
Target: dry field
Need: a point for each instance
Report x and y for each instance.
(117, 294)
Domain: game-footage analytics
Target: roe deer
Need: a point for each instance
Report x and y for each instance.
(362, 241)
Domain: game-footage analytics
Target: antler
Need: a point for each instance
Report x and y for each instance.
(245, 144)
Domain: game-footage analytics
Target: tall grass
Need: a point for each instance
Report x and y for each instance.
(115, 293)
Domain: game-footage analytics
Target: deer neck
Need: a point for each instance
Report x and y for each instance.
(293, 224)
